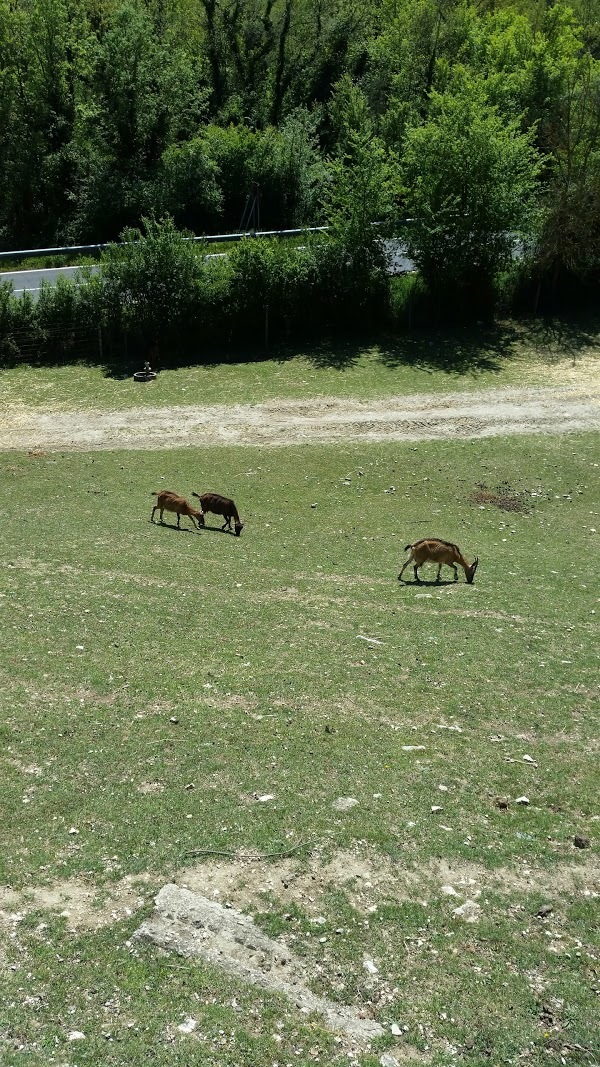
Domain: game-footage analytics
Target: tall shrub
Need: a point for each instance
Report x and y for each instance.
(149, 281)
(470, 178)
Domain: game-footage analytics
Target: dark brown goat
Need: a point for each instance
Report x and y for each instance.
(431, 549)
(221, 505)
(168, 501)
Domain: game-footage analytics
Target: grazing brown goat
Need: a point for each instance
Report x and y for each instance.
(168, 501)
(221, 505)
(431, 549)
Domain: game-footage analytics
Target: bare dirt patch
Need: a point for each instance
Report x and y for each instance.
(249, 883)
(322, 419)
(77, 901)
(368, 880)
(503, 497)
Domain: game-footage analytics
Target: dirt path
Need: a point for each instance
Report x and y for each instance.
(319, 420)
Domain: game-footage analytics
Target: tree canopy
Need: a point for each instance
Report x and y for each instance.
(487, 112)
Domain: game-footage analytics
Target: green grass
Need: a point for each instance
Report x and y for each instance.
(111, 627)
(508, 354)
(46, 262)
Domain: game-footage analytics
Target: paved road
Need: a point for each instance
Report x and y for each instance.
(30, 281)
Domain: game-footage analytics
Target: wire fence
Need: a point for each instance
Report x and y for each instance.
(54, 344)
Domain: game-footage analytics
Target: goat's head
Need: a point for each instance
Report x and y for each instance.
(200, 518)
(470, 571)
(239, 526)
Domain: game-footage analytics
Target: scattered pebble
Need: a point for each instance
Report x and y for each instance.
(397, 1032)
(470, 911)
(345, 803)
(188, 1026)
(370, 966)
(546, 909)
(75, 1035)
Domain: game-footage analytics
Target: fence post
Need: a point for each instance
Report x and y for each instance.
(538, 293)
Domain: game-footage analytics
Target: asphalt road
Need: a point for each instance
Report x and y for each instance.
(30, 281)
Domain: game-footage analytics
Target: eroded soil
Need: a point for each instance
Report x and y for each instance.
(491, 412)
(252, 883)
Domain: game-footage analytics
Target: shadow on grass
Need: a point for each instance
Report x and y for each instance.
(217, 530)
(186, 529)
(428, 582)
(173, 526)
(472, 349)
(453, 349)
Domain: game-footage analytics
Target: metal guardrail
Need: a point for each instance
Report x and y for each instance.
(214, 238)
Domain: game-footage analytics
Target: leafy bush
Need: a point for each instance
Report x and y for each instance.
(470, 180)
(149, 281)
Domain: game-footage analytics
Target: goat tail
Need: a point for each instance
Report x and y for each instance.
(153, 494)
(196, 494)
(407, 548)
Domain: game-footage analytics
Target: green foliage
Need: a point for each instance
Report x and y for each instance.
(188, 188)
(470, 182)
(149, 280)
(571, 232)
(282, 166)
(272, 278)
(119, 110)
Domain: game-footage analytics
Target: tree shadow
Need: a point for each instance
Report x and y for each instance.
(466, 349)
(450, 348)
(560, 336)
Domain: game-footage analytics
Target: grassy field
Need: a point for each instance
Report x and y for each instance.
(155, 683)
(508, 354)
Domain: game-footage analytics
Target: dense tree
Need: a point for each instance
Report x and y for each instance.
(470, 187)
(118, 109)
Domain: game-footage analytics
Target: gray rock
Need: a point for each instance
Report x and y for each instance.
(192, 925)
(345, 803)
